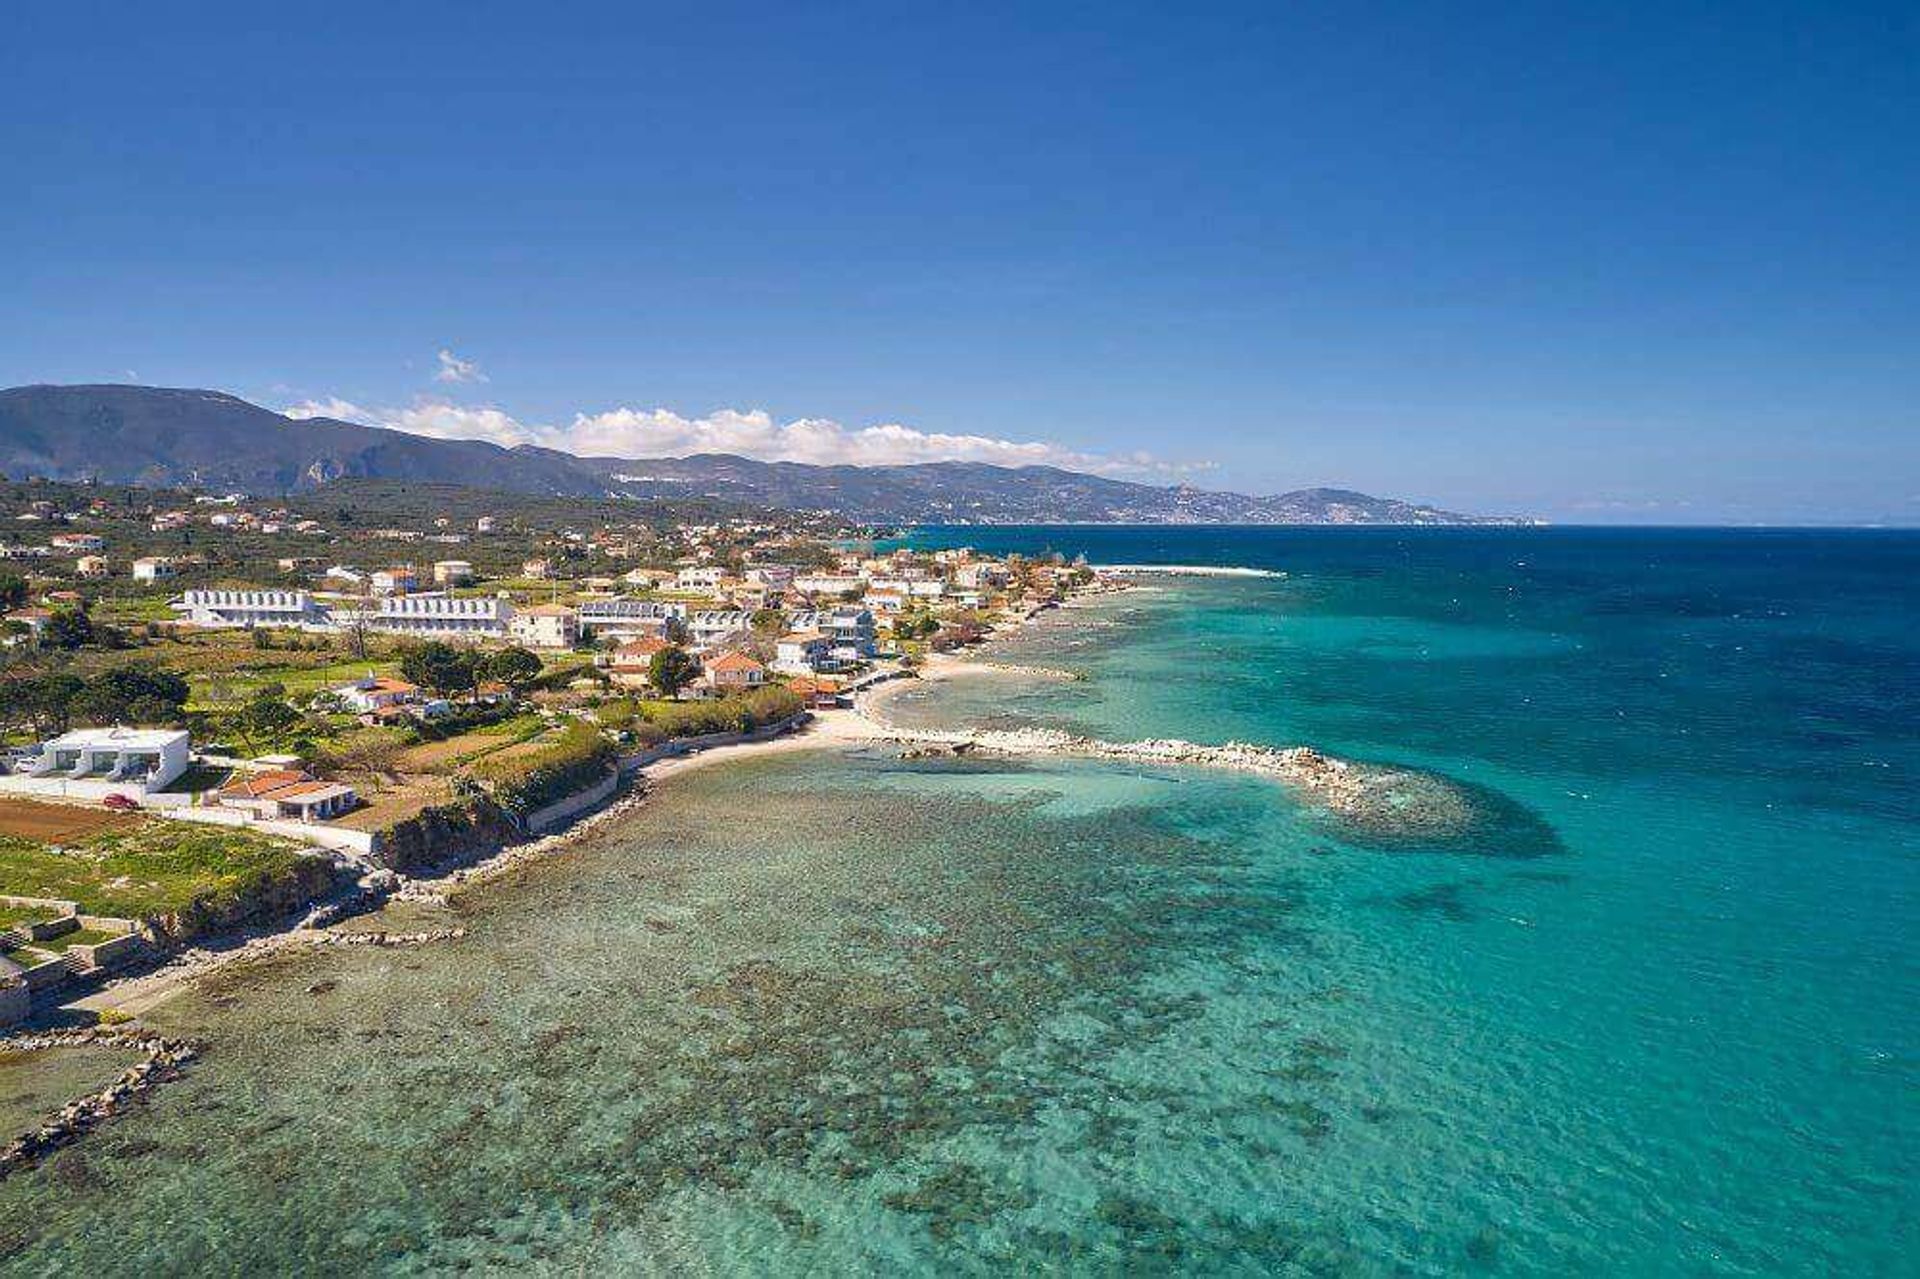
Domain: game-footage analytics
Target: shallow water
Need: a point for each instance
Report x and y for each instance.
(825, 1013)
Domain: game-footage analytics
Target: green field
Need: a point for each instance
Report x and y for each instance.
(148, 866)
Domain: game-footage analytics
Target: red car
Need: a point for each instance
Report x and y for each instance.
(120, 803)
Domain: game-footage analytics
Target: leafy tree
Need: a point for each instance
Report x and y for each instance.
(515, 667)
(769, 621)
(42, 699)
(13, 590)
(441, 667)
(672, 669)
(135, 693)
(263, 718)
(68, 628)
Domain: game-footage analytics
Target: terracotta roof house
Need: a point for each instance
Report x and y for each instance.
(287, 793)
(732, 671)
(631, 664)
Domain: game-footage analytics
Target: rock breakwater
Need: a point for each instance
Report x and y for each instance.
(162, 1059)
(1392, 799)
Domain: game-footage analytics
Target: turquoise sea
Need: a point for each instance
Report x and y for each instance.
(831, 1013)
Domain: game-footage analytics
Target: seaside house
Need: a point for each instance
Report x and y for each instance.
(804, 653)
(92, 566)
(288, 794)
(631, 665)
(623, 618)
(733, 672)
(452, 572)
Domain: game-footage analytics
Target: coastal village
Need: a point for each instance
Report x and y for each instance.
(224, 714)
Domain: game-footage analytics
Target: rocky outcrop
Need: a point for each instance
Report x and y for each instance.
(277, 897)
(162, 1059)
(448, 834)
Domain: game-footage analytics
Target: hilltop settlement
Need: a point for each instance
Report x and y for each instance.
(221, 711)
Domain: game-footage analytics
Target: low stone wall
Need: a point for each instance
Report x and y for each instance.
(106, 954)
(541, 820)
(689, 745)
(45, 976)
(54, 904)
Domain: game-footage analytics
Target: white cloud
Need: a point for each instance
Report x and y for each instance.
(641, 433)
(455, 369)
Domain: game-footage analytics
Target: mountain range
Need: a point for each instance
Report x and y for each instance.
(165, 437)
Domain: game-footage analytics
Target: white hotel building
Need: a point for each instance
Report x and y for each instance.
(438, 616)
(253, 608)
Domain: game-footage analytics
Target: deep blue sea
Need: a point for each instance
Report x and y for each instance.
(1656, 1011)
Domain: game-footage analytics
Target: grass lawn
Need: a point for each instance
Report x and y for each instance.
(397, 803)
(145, 866)
(446, 756)
(11, 916)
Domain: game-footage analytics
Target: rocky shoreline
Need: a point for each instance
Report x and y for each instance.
(163, 1059)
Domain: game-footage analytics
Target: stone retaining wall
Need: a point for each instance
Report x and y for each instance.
(562, 810)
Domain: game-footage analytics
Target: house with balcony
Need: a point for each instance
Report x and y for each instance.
(804, 653)
(732, 672)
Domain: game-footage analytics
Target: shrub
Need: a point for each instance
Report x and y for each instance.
(549, 769)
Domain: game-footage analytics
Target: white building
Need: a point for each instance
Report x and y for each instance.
(252, 608)
(625, 618)
(452, 572)
(704, 577)
(546, 626)
(710, 627)
(375, 693)
(152, 568)
(394, 581)
(436, 616)
(78, 542)
(140, 759)
(805, 653)
(851, 629)
(773, 576)
(829, 583)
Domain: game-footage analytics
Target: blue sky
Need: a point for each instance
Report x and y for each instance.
(1632, 262)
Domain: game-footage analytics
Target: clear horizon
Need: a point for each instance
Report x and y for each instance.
(1652, 265)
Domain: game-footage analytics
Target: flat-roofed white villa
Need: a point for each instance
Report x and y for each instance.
(96, 762)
